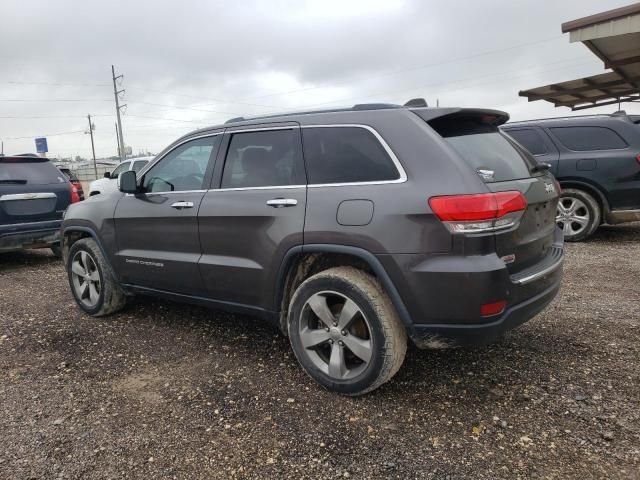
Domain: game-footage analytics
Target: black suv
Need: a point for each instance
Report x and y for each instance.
(596, 159)
(352, 229)
(34, 195)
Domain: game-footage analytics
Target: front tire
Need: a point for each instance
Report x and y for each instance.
(91, 280)
(578, 214)
(345, 331)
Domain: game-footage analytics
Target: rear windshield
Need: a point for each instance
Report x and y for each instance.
(492, 154)
(29, 172)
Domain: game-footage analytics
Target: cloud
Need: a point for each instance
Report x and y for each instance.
(193, 63)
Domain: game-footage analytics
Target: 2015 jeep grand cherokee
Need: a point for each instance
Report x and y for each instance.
(353, 229)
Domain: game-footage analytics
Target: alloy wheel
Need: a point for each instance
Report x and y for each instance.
(572, 216)
(336, 335)
(85, 278)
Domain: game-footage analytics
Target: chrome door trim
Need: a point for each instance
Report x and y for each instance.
(385, 145)
(27, 196)
(239, 189)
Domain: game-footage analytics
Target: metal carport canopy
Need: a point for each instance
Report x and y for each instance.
(614, 36)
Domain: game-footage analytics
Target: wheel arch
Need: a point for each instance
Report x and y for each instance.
(300, 262)
(593, 190)
(73, 233)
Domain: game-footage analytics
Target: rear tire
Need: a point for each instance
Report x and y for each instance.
(356, 342)
(578, 214)
(92, 282)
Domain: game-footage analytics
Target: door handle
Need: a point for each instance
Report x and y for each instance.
(182, 205)
(282, 202)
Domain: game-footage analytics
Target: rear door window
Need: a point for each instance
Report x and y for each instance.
(529, 139)
(346, 155)
(584, 139)
(493, 155)
(29, 172)
(267, 158)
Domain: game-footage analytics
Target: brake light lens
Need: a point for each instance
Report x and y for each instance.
(483, 212)
(75, 195)
(638, 158)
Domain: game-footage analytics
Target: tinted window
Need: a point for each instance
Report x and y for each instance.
(31, 172)
(184, 168)
(529, 139)
(588, 138)
(346, 154)
(263, 159)
(123, 167)
(479, 141)
(137, 165)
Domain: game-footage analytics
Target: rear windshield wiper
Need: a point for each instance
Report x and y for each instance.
(540, 167)
(14, 181)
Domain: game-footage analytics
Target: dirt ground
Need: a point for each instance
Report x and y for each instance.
(164, 390)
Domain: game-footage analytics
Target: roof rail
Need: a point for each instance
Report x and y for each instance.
(413, 103)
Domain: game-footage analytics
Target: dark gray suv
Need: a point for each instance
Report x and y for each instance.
(596, 159)
(352, 229)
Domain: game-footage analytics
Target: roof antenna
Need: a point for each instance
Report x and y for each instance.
(416, 103)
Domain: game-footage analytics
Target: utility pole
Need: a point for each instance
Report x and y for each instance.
(93, 149)
(118, 142)
(117, 92)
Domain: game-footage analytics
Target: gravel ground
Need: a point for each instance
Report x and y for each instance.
(168, 390)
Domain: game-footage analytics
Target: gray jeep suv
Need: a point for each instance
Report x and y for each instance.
(352, 229)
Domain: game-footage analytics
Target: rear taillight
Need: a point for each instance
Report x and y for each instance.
(638, 158)
(483, 212)
(75, 196)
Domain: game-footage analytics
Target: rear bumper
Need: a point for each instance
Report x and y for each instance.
(29, 235)
(443, 294)
(447, 335)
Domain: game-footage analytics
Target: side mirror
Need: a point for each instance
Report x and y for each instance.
(127, 182)
(107, 174)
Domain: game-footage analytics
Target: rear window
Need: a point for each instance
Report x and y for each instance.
(492, 154)
(583, 139)
(346, 155)
(529, 139)
(30, 172)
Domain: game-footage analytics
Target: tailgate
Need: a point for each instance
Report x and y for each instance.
(532, 241)
(505, 166)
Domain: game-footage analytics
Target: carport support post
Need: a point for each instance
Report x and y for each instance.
(93, 148)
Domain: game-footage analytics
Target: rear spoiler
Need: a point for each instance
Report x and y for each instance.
(486, 116)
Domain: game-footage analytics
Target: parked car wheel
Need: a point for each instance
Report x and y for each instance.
(345, 331)
(92, 283)
(578, 214)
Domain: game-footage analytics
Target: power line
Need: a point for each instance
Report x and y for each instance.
(10, 82)
(403, 70)
(54, 100)
(463, 80)
(217, 100)
(43, 135)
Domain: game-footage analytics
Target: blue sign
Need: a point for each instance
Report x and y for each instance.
(41, 145)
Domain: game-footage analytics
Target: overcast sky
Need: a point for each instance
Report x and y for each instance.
(189, 64)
